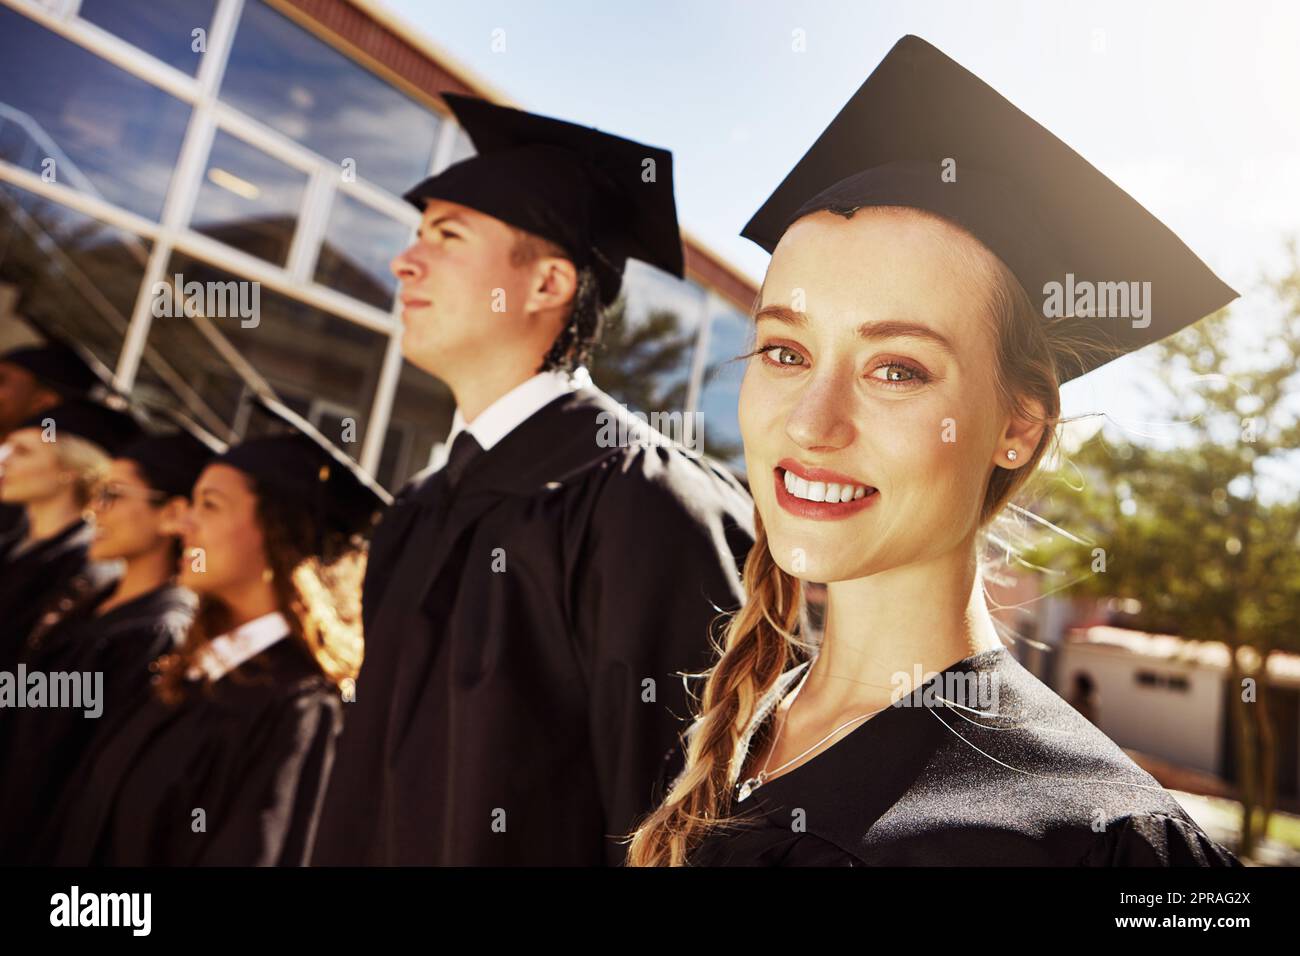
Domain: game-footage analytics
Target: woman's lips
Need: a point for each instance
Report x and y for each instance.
(821, 510)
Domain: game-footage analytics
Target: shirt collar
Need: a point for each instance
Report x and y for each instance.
(223, 654)
(517, 406)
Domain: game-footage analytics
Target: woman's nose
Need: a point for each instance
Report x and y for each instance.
(820, 418)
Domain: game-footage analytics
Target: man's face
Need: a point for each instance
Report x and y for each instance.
(461, 294)
(21, 396)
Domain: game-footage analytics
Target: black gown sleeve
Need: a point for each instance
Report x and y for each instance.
(1157, 839)
(657, 569)
(275, 797)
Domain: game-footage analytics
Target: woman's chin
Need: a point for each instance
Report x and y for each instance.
(102, 552)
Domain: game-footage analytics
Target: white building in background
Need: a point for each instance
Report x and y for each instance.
(1168, 697)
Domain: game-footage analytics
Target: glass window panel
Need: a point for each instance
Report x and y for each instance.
(69, 273)
(421, 417)
(99, 130)
(729, 337)
(249, 200)
(311, 92)
(359, 244)
(644, 356)
(164, 29)
(461, 147)
(302, 352)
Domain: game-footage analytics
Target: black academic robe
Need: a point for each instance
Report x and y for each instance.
(521, 675)
(251, 751)
(905, 789)
(13, 520)
(42, 748)
(30, 579)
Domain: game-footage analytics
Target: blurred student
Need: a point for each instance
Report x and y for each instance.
(111, 630)
(226, 761)
(50, 465)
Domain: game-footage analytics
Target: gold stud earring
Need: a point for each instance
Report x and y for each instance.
(268, 575)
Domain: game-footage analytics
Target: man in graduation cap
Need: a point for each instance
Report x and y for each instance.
(38, 377)
(530, 606)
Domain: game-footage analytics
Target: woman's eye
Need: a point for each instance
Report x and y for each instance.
(900, 373)
(784, 356)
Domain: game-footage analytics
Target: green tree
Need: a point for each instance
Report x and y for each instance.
(1186, 531)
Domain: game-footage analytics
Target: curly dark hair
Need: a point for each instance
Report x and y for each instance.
(317, 589)
(574, 344)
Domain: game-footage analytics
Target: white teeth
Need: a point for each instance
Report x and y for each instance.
(821, 491)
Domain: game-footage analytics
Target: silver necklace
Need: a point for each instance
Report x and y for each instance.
(747, 787)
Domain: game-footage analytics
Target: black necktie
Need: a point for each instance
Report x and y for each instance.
(463, 450)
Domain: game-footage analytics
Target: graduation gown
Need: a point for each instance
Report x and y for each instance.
(251, 750)
(42, 748)
(30, 579)
(904, 789)
(521, 674)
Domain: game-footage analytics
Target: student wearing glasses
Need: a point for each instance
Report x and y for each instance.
(99, 624)
(49, 466)
(224, 761)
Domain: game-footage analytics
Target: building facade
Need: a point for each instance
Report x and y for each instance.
(232, 150)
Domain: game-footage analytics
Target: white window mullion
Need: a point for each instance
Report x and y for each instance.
(699, 361)
(111, 48)
(381, 408)
(312, 219)
(184, 188)
(445, 146)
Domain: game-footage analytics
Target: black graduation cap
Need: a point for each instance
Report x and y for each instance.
(574, 185)
(109, 428)
(57, 366)
(305, 468)
(1036, 203)
(171, 463)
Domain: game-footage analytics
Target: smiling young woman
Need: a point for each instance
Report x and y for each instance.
(902, 389)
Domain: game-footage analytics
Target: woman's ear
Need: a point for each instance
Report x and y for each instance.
(1021, 435)
(174, 512)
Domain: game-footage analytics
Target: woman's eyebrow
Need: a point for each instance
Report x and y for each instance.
(879, 329)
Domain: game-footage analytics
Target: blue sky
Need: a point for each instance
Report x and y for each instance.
(1190, 106)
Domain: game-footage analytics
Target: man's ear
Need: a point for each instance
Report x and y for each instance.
(554, 284)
